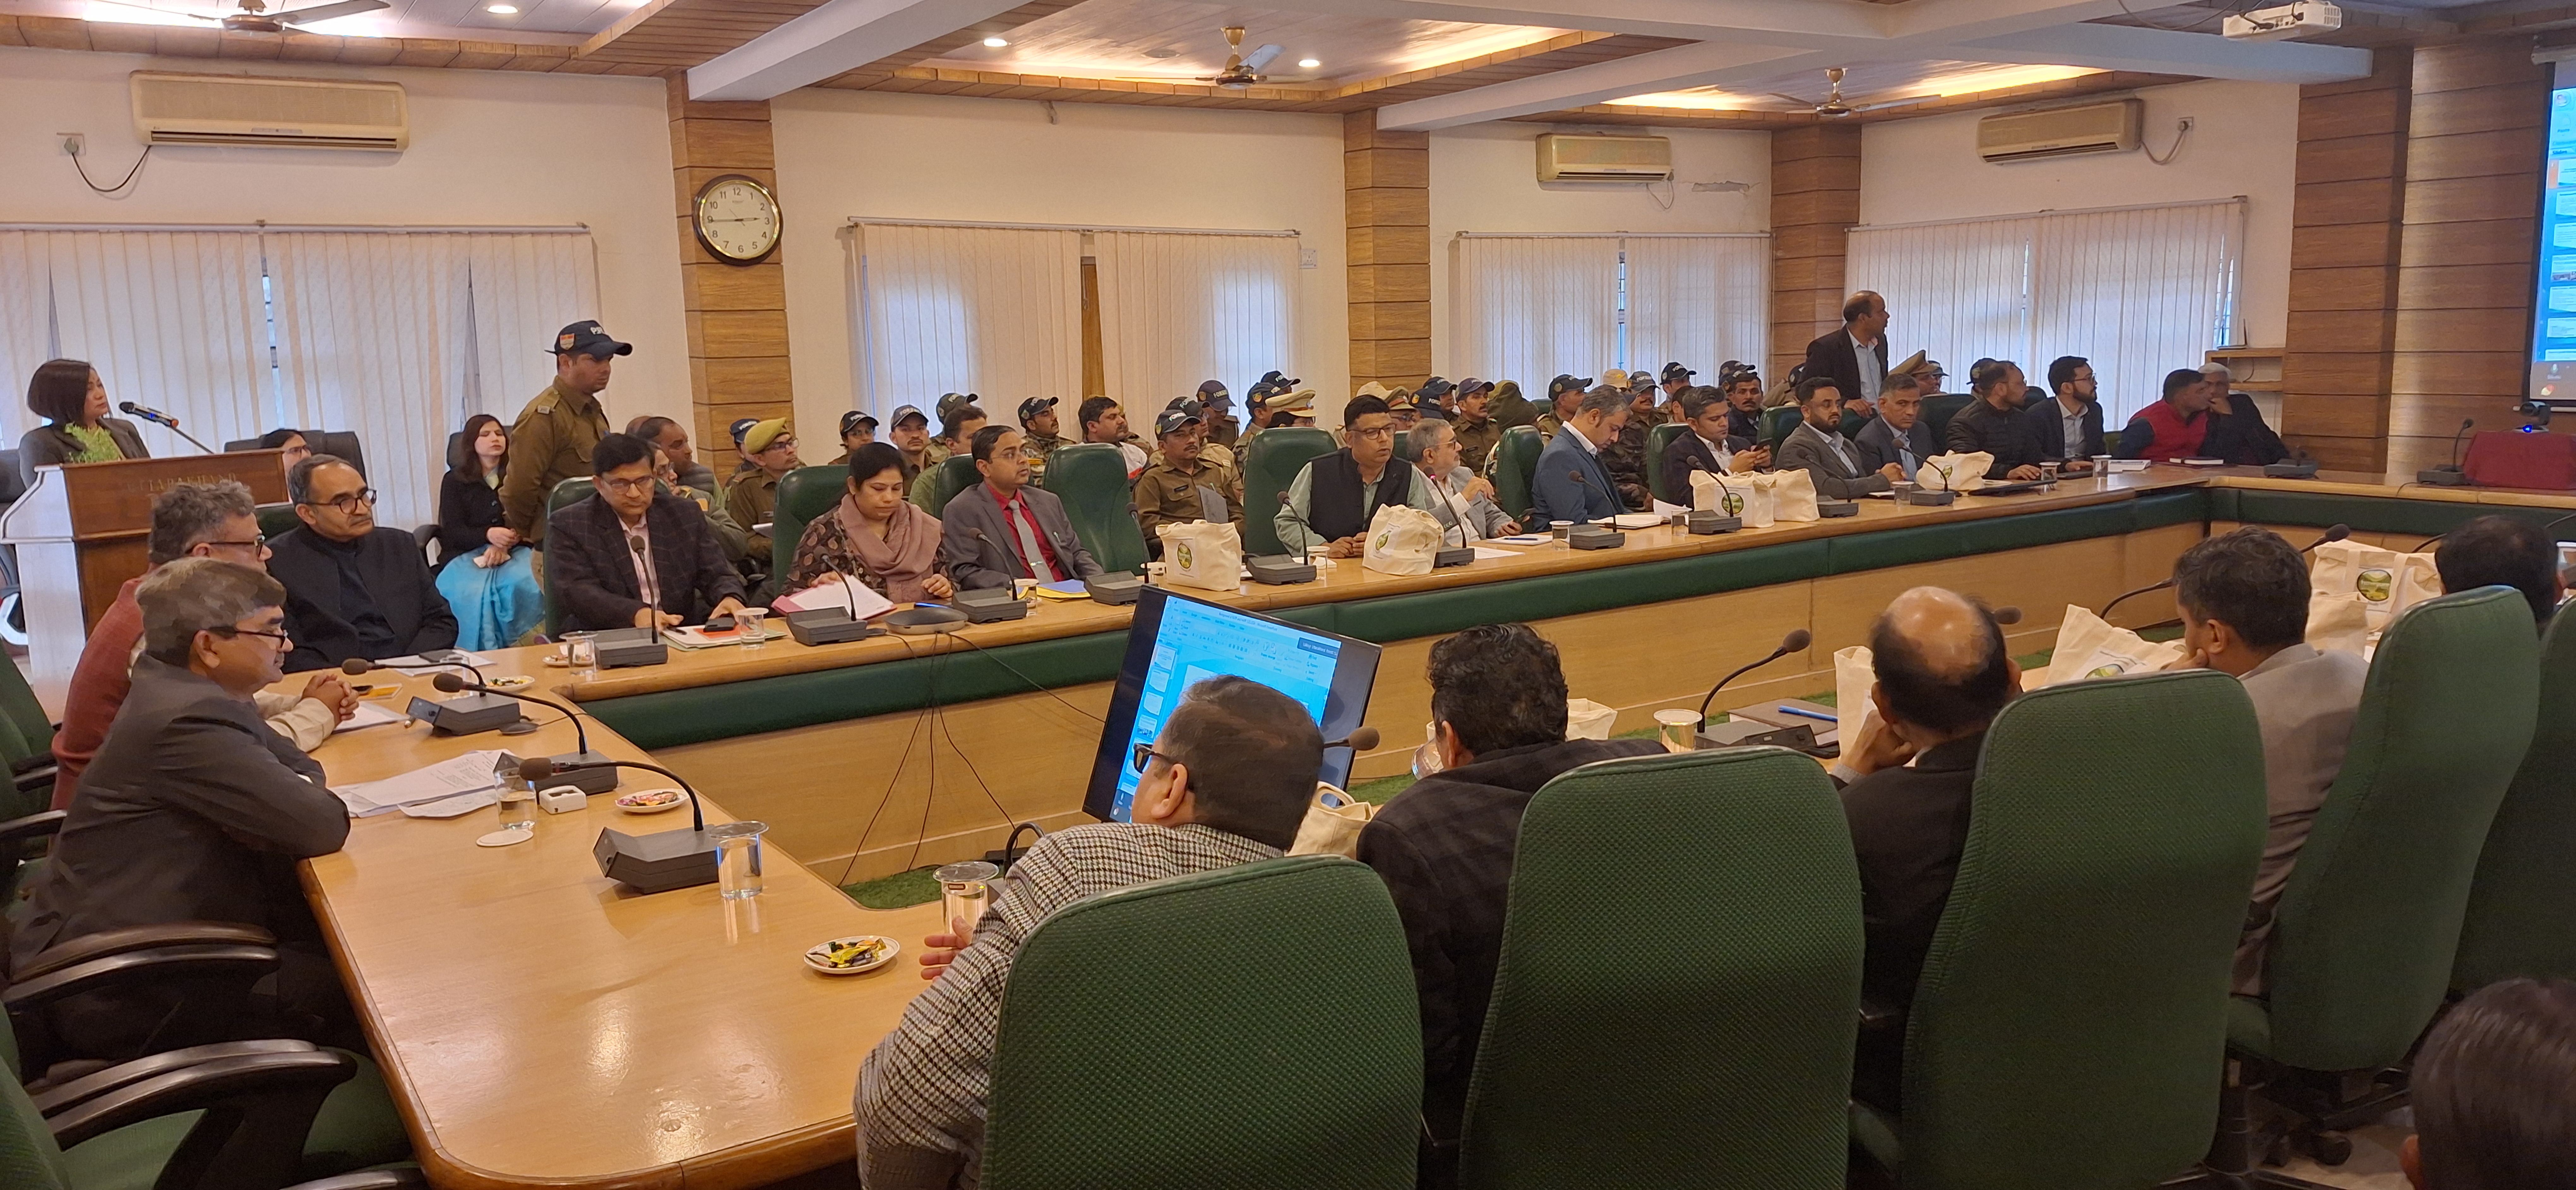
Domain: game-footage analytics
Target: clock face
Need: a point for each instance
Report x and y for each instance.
(737, 219)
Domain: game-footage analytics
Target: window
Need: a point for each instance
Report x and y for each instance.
(2138, 291)
(1181, 308)
(1527, 307)
(996, 310)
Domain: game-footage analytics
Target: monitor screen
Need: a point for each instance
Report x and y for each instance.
(1176, 641)
(2553, 318)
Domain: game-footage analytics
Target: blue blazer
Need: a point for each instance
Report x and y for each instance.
(1559, 496)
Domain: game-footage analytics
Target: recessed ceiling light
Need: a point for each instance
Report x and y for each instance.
(995, 43)
(502, 9)
(1307, 63)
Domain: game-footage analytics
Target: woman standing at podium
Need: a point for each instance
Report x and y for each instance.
(68, 395)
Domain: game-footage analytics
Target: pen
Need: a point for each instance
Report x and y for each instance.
(1804, 713)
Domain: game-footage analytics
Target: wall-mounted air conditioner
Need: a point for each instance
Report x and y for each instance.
(232, 109)
(2054, 132)
(1567, 158)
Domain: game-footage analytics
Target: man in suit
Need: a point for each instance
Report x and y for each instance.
(1707, 447)
(1572, 483)
(1898, 435)
(195, 811)
(1995, 423)
(2069, 424)
(352, 589)
(1002, 529)
(1817, 447)
(1943, 675)
(2237, 431)
(1335, 496)
(2244, 603)
(632, 557)
(1855, 356)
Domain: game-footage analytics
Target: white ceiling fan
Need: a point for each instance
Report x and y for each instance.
(1241, 70)
(1833, 107)
(253, 16)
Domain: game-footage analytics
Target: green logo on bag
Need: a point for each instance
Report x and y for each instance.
(2106, 671)
(2375, 585)
(1383, 538)
(1181, 555)
(1732, 503)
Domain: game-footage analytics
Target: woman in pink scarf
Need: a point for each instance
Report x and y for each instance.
(873, 535)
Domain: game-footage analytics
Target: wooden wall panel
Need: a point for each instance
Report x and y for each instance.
(2345, 241)
(1815, 200)
(737, 314)
(2472, 193)
(1386, 217)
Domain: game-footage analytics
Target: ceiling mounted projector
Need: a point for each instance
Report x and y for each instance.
(2306, 18)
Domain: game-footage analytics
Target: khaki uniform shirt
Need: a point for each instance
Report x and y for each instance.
(752, 498)
(1167, 494)
(1475, 441)
(1036, 448)
(1548, 426)
(550, 443)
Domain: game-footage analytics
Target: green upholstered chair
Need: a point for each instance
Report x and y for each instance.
(278, 520)
(18, 704)
(1938, 410)
(1514, 470)
(1778, 424)
(1658, 439)
(2363, 941)
(803, 494)
(2521, 918)
(1716, 1049)
(2070, 1025)
(1401, 437)
(1091, 479)
(1292, 1057)
(566, 494)
(1271, 461)
(1852, 425)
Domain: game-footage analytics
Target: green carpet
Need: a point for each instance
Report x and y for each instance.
(901, 890)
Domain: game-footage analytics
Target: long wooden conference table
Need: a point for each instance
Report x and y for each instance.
(540, 1026)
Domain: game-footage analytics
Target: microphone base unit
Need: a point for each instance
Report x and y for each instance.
(1709, 524)
(1453, 556)
(1930, 499)
(986, 605)
(1831, 509)
(1589, 537)
(467, 715)
(621, 648)
(657, 862)
(927, 621)
(587, 780)
(1279, 570)
(827, 626)
(2303, 469)
(1115, 589)
(2445, 476)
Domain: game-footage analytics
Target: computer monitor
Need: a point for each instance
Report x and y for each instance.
(1176, 641)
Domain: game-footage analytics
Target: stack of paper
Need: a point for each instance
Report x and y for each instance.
(847, 595)
(369, 714)
(472, 773)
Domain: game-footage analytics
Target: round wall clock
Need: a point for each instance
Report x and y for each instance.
(736, 219)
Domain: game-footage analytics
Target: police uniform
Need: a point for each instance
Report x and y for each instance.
(552, 440)
(1476, 440)
(1624, 456)
(1548, 425)
(1036, 447)
(752, 499)
(1165, 493)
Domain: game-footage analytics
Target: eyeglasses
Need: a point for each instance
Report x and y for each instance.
(1379, 432)
(1145, 753)
(347, 503)
(637, 484)
(780, 443)
(252, 544)
(283, 642)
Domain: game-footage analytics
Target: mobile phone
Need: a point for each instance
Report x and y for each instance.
(720, 624)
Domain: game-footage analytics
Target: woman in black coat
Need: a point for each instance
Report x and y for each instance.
(489, 575)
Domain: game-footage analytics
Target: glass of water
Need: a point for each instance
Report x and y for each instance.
(748, 619)
(581, 652)
(518, 805)
(738, 858)
(965, 888)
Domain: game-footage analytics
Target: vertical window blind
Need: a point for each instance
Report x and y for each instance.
(1177, 310)
(1527, 307)
(2138, 291)
(395, 334)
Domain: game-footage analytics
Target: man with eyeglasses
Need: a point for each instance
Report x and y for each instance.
(634, 557)
(1333, 498)
(352, 589)
(752, 496)
(1002, 530)
(195, 811)
(215, 520)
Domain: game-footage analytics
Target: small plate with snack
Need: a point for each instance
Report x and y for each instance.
(853, 955)
(652, 801)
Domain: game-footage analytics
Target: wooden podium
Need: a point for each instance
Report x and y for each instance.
(82, 529)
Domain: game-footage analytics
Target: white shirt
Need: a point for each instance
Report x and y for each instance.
(1725, 457)
(646, 581)
(2074, 423)
(1873, 370)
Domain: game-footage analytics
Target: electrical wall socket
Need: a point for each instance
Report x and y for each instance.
(74, 144)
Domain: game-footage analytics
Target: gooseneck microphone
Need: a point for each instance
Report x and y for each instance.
(592, 780)
(539, 768)
(2449, 474)
(657, 862)
(487, 710)
(164, 420)
(1361, 739)
(2466, 424)
(1797, 639)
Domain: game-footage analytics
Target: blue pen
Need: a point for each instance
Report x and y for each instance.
(1804, 713)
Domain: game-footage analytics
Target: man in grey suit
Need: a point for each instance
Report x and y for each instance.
(2244, 603)
(1002, 529)
(194, 811)
(1898, 434)
(1817, 447)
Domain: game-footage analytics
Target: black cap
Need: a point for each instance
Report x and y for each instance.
(1280, 382)
(740, 427)
(1433, 389)
(1174, 420)
(855, 418)
(1565, 383)
(904, 412)
(1035, 406)
(585, 338)
(950, 402)
(1213, 392)
(1189, 405)
(1471, 386)
(1674, 371)
(1640, 380)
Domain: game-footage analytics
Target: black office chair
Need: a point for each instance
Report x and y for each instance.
(340, 444)
(13, 613)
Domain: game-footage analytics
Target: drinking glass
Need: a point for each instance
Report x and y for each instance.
(965, 889)
(1426, 759)
(1321, 558)
(748, 619)
(738, 858)
(1678, 729)
(581, 652)
(518, 805)
(2048, 475)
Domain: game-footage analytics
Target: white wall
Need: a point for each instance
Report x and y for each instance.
(2244, 140)
(488, 147)
(1484, 177)
(890, 156)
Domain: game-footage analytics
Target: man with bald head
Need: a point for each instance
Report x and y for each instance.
(1943, 674)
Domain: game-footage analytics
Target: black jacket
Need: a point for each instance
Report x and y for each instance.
(1832, 354)
(1687, 453)
(1444, 846)
(398, 585)
(2049, 424)
(2242, 437)
(467, 509)
(2007, 436)
(1908, 827)
(594, 575)
(50, 444)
